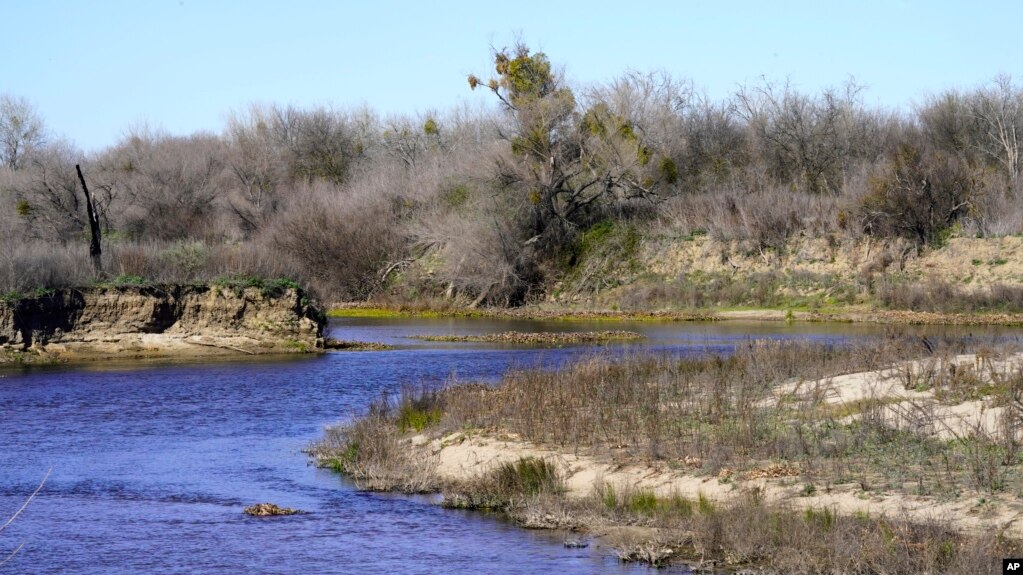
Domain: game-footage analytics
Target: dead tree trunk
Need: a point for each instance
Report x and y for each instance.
(95, 252)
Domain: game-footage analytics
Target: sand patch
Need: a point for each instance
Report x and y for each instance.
(919, 395)
(461, 457)
(907, 396)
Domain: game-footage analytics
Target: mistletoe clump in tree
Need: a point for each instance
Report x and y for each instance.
(569, 166)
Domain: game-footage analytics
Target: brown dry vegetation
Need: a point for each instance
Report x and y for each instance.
(767, 413)
(555, 193)
(546, 337)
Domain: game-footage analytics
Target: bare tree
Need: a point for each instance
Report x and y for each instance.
(804, 139)
(408, 139)
(95, 249)
(48, 198)
(946, 122)
(21, 130)
(170, 187)
(919, 195)
(999, 108)
(275, 147)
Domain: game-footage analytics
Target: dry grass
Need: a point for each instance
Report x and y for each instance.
(722, 412)
(749, 534)
(374, 451)
(549, 337)
(723, 417)
(942, 296)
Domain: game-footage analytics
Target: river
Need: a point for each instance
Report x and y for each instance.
(153, 463)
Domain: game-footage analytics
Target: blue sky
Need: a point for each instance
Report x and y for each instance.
(94, 68)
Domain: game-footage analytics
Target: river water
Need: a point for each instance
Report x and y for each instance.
(152, 464)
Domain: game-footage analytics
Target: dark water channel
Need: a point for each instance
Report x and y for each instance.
(153, 464)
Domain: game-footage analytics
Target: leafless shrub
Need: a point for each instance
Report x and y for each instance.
(807, 141)
(27, 266)
(47, 200)
(764, 220)
(169, 187)
(342, 239)
(289, 145)
(942, 296)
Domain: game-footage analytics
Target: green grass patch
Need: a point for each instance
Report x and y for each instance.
(643, 503)
(412, 416)
(529, 476)
(705, 505)
(822, 519)
(268, 287)
(296, 345)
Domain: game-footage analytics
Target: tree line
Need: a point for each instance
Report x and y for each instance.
(491, 202)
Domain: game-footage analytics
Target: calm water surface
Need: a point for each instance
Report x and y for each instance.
(152, 465)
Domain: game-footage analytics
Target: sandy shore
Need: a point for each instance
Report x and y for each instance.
(461, 456)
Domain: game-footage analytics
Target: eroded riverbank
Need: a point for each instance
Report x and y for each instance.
(159, 321)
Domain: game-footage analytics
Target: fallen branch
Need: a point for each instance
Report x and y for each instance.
(222, 346)
(18, 512)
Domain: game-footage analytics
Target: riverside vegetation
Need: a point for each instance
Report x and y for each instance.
(765, 460)
(583, 195)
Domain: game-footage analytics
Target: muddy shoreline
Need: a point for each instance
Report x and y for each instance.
(851, 315)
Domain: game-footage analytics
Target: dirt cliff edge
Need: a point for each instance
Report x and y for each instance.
(158, 321)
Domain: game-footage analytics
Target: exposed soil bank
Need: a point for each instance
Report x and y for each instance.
(157, 322)
(967, 281)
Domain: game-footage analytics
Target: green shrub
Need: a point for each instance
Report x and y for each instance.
(529, 476)
(643, 502)
(919, 195)
(705, 506)
(267, 287)
(413, 417)
(823, 519)
(187, 258)
(609, 496)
